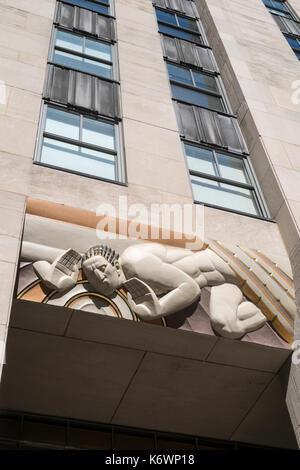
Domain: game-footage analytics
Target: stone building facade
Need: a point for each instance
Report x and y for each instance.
(43, 200)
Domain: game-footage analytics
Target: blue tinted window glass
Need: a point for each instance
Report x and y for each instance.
(180, 74)
(70, 41)
(197, 98)
(205, 81)
(275, 4)
(232, 168)
(90, 66)
(224, 195)
(82, 64)
(61, 123)
(179, 33)
(166, 17)
(202, 160)
(73, 42)
(67, 60)
(78, 159)
(90, 5)
(279, 13)
(293, 42)
(280, 6)
(187, 23)
(98, 133)
(98, 49)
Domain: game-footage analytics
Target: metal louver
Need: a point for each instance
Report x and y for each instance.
(185, 6)
(202, 125)
(187, 52)
(287, 26)
(83, 91)
(86, 21)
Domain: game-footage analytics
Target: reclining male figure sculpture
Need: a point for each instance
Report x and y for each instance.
(160, 280)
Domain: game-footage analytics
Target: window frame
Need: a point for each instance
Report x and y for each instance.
(273, 10)
(199, 33)
(109, 5)
(113, 63)
(296, 38)
(293, 17)
(220, 94)
(253, 186)
(255, 191)
(180, 12)
(120, 170)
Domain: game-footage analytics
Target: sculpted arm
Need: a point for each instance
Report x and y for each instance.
(36, 252)
(181, 290)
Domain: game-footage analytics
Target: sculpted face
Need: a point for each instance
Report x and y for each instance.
(104, 277)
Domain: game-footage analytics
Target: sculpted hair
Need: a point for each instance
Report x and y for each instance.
(101, 250)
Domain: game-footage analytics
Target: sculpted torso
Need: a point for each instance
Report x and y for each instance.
(174, 265)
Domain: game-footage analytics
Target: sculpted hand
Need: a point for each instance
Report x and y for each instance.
(62, 274)
(142, 299)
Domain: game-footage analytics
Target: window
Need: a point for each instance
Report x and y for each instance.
(82, 53)
(278, 8)
(101, 6)
(179, 26)
(69, 138)
(195, 87)
(80, 144)
(221, 180)
(290, 27)
(295, 45)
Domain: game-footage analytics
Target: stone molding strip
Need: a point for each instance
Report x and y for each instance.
(89, 219)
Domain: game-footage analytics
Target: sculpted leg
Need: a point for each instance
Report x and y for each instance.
(230, 316)
(250, 316)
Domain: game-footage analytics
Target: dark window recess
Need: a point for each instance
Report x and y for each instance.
(195, 87)
(178, 26)
(202, 125)
(188, 53)
(85, 21)
(82, 53)
(82, 91)
(184, 6)
(101, 6)
(18, 430)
